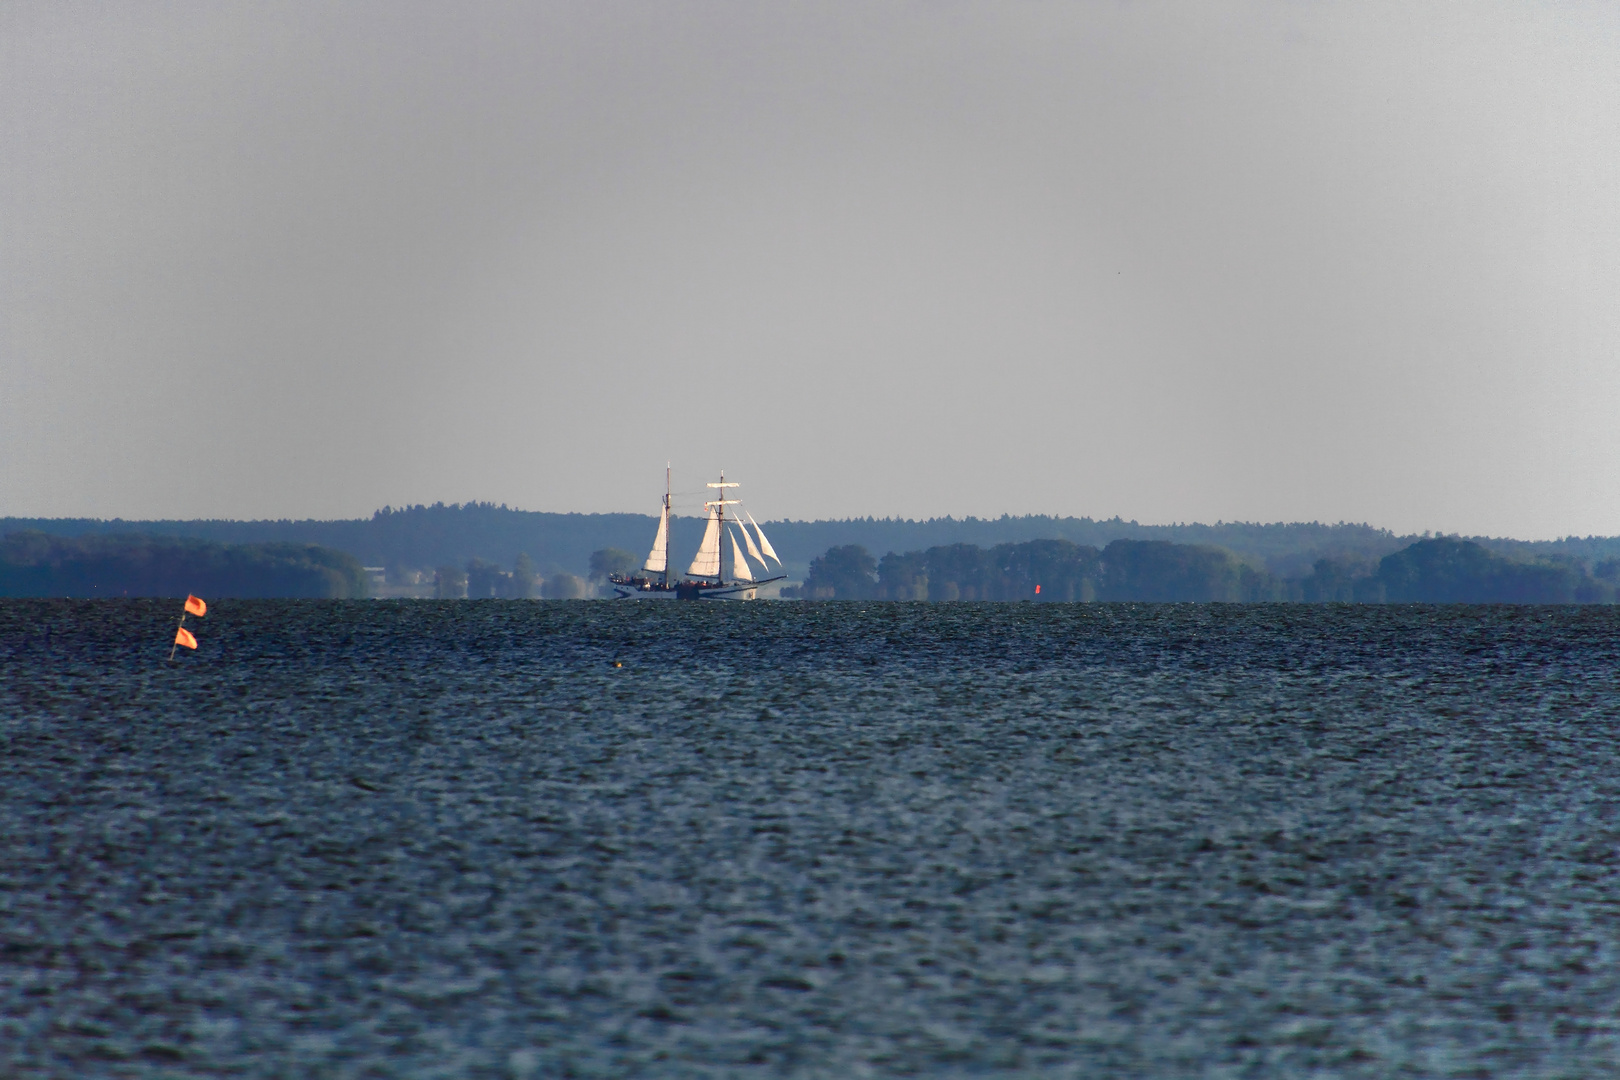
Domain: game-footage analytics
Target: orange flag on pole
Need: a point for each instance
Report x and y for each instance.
(195, 606)
(182, 636)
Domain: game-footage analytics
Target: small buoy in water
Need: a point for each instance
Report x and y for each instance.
(618, 663)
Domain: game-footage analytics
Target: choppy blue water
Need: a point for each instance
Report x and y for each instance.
(456, 839)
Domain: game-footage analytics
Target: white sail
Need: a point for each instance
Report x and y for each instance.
(707, 562)
(764, 544)
(739, 565)
(752, 550)
(658, 558)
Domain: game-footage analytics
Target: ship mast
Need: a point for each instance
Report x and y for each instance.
(719, 505)
(666, 520)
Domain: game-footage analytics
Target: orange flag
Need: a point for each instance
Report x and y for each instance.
(195, 606)
(182, 636)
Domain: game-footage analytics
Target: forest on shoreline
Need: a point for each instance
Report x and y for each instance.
(1440, 570)
(37, 564)
(482, 550)
(418, 540)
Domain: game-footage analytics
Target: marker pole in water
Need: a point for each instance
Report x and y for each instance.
(194, 606)
(179, 626)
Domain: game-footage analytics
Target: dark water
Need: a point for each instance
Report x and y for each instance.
(454, 840)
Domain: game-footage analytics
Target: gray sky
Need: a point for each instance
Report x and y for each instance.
(1173, 262)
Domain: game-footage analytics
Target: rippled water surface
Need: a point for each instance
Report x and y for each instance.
(508, 839)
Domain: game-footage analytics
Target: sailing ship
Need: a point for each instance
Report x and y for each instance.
(706, 578)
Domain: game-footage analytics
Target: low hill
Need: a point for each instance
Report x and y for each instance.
(428, 537)
(1448, 571)
(36, 564)
(1440, 570)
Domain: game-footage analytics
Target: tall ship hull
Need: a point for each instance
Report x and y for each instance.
(627, 587)
(707, 578)
(631, 588)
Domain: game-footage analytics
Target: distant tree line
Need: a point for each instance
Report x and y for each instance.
(1435, 570)
(412, 541)
(36, 564)
(1446, 570)
(484, 580)
(415, 542)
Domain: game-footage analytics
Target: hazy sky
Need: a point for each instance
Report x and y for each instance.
(1175, 262)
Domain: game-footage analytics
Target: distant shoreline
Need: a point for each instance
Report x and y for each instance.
(415, 544)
